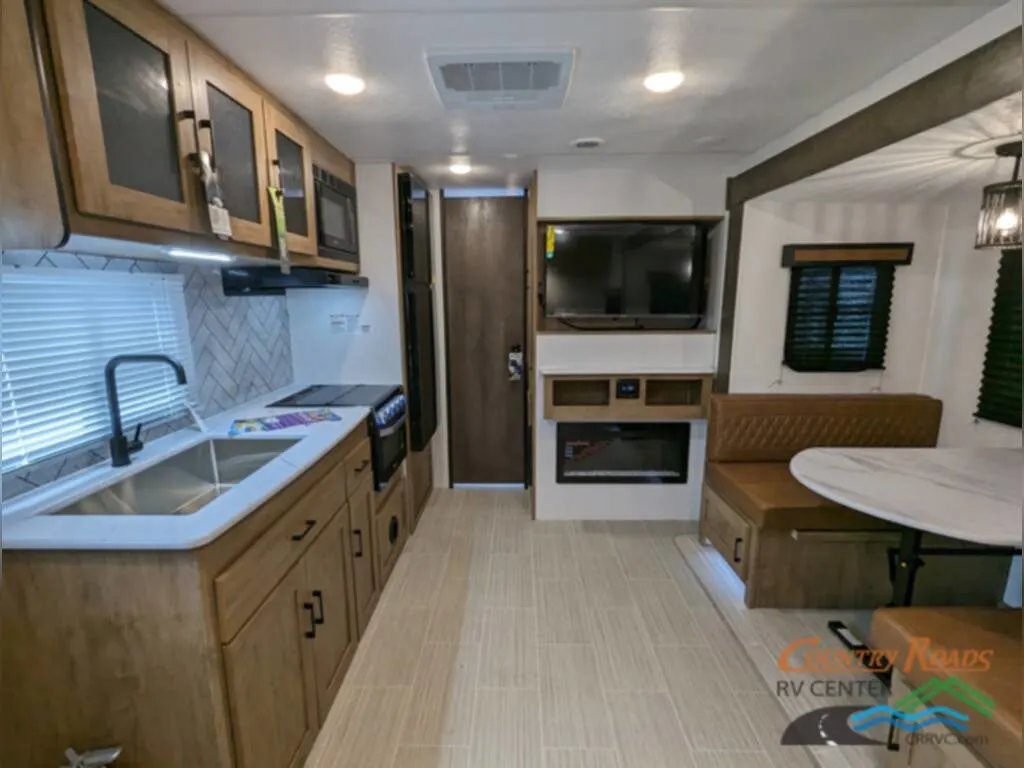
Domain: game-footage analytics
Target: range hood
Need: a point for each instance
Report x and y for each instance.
(271, 281)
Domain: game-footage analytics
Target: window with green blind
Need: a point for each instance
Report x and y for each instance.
(1001, 387)
(838, 317)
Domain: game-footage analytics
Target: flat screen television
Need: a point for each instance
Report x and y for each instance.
(649, 272)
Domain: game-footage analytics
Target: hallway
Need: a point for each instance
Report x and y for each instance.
(505, 643)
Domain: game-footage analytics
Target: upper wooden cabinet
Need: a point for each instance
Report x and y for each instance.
(291, 168)
(122, 75)
(229, 119)
(130, 99)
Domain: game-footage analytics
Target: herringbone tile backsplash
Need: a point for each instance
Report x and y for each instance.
(241, 349)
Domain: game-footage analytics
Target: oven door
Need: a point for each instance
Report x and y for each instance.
(337, 229)
(389, 450)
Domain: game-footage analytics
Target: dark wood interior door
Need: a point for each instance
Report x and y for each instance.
(485, 300)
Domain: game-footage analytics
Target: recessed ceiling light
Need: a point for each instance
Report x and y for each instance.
(347, 85)
(663, 82)
(460, 169)
(511, 156)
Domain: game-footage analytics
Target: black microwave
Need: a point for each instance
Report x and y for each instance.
(337, 231)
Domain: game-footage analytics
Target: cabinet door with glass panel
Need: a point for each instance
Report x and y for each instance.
(229, 114)
(291, 169)
(123, 79)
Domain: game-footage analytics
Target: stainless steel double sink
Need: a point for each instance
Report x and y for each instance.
(184, 482)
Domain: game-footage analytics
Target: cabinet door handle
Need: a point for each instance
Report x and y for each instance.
(305, 532)
(362, 466)
(358, 552)
(736, 550)
(320, 601)
(311, 632)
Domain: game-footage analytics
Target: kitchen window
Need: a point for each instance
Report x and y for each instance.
(60, 327)
(838, 317)
(1001, 380)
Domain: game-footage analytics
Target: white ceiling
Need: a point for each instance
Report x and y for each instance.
(754, 69)
(953, 160)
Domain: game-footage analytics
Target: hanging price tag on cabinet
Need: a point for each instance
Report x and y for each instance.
(549, 248)
(280, 228)
(220, 219)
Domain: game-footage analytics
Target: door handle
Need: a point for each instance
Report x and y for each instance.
(359, 552)
(362, 466)
(311, 632)
(736, 550)
(320, 601)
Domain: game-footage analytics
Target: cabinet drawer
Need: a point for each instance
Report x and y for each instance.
(243, 585)
(358, 466)
(727, 531)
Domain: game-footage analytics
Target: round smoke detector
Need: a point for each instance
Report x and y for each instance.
(591, 142)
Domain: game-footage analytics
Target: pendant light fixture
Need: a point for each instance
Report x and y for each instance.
(999, 224)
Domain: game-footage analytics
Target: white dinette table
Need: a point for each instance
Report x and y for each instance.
(970, 494)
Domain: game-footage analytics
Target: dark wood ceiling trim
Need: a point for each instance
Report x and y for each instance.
(962, 86)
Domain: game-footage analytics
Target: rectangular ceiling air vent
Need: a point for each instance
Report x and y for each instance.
(502, 80)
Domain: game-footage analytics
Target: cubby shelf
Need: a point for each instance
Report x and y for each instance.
(626, 397)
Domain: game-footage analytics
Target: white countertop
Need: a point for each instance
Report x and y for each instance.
(28, 524)
(973, 495)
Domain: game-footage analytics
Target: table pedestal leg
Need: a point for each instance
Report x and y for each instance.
(906, 568)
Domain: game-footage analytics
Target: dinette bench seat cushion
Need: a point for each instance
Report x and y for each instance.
(771, 498)
(995, 629)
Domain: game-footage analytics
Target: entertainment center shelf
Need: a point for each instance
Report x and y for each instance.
(626, 397)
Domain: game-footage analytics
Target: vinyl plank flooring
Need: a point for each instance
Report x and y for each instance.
(392, 652)
(604, 582)
(763, 712)
(626, 659)
(468, 558)
(639, 558)
(573, 709)
(440, 709)
(706, 706)
(582, 758)
(417, 585)
(593, 540)
(363, 731)
(731, 760)
(506, 729)
(648, 733)
(733, 658)
(667, 618)
(553, 558)
(509, 648)
(562, 612)
(459, 613)
(432, 757)
(510, 583)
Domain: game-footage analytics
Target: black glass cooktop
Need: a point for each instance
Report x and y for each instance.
(340, 395)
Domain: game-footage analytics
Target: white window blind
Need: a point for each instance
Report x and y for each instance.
(59, 329)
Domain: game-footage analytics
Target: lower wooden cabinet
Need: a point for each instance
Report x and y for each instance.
(270, 680)
(228, 656)
(329, 579)
(364, 571)
(389, 528)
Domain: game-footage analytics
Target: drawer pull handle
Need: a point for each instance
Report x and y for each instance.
(736, 550)
(311, 632)
(358, 552)
(305, 532)
(320, 601)
(362, 466)
(393, 530)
